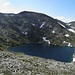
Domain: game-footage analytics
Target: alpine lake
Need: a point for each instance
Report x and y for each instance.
(59, 53)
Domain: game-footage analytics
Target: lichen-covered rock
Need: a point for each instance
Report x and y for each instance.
(21, 64)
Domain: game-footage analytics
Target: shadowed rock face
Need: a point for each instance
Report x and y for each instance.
(29, 27)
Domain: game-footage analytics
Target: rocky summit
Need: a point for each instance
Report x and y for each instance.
(30, 27)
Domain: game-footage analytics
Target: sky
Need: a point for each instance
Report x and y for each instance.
(60, 9)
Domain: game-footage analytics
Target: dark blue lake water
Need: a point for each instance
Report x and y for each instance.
(64, 54)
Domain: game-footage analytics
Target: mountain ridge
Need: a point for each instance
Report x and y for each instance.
(30, 27)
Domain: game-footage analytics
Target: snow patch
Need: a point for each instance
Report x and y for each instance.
(42, 24)
(74, 59)
(61, 25)
(33, 24)
(71, 30)
(25, 33)
(53, 31)
(69, 44)
(44, 38)
(67, 35)
(65, 42)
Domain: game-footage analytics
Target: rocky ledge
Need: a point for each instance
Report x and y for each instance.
(22, 64)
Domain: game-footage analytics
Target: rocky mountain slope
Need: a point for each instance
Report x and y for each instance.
(21, 64)
(30, 27)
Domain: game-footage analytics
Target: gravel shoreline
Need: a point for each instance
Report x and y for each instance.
(12, 63)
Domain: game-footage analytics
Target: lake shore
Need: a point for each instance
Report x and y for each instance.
(12, 63)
